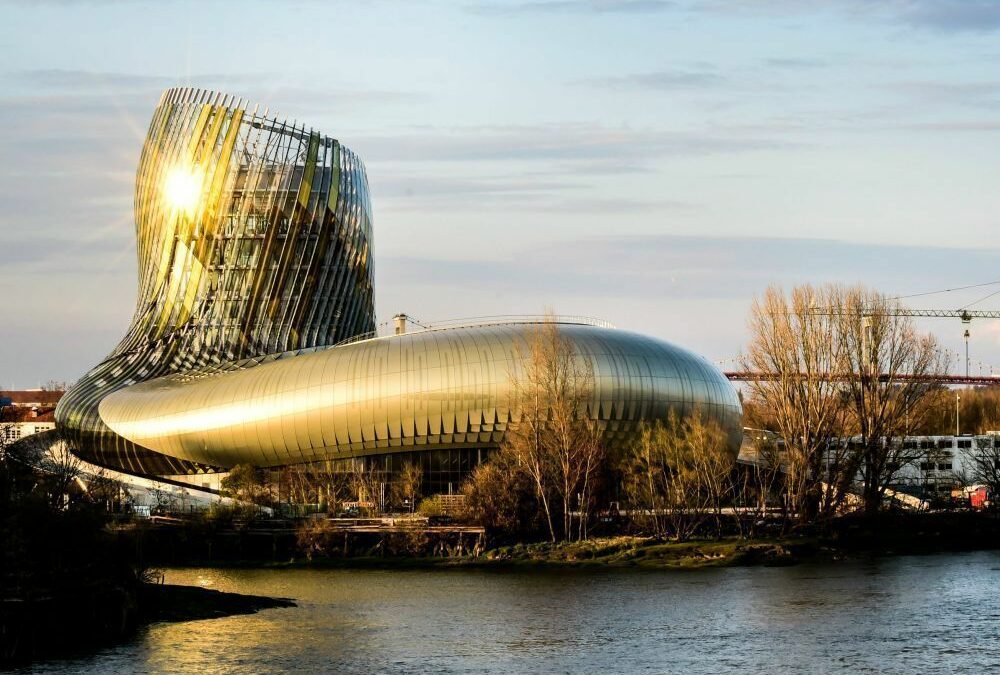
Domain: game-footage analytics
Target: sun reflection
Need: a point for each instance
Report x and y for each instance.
(182, 189)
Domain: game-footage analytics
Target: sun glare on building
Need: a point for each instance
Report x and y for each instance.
(183, 189)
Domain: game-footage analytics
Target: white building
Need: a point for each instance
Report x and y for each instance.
(932, 466)
(15, 431)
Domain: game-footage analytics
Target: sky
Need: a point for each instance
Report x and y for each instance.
(656, 164)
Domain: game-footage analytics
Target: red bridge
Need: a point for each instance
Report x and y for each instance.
(746, 376)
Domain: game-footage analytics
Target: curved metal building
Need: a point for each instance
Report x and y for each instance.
(428, 390)
(254, 244)
(254, 237)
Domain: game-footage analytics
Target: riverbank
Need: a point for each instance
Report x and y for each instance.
(67, 622)
(928, 614)
(171, 602)
(645, 553)
(844, 538)
(85, 617)
(609, 552)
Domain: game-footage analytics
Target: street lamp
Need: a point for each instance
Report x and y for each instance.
(966, 336)
(958, 398)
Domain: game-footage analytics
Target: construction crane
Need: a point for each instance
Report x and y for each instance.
(966, 315)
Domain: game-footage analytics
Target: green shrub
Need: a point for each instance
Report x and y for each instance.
(431, 507)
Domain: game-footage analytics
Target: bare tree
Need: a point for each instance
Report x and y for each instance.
(554, 438)
(844, 375)
(302, 484)
(369, 485)
(755, 483)
(794, 345)
(524, 440)
(646, 479)
(332, 482)
(887, 364)
(500, 495)
(406, 486)
(247, 484)
(712, 461)
(62, 471)
(104, 488)
(676, 476)
(982, 465)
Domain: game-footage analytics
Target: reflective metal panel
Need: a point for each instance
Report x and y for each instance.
(368, 403)
(253, 236)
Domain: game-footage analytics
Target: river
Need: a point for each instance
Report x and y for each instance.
(917, 614)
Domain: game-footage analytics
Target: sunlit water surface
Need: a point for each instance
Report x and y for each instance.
(931, 614)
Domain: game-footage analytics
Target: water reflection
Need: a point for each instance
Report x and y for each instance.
(908, 615)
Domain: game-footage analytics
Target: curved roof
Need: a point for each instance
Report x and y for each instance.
(431, 389)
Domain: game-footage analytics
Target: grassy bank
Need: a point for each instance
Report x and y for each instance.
(619, 552)
(843, 538)
(652, 554)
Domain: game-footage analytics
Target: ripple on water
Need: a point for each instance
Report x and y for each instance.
(899, 615)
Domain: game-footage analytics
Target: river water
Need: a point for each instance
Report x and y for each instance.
(920, 614)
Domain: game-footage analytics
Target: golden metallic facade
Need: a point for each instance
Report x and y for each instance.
(254, 256)
(254, 237)
(428, 390)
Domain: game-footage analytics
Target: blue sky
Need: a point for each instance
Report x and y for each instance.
(656, 164)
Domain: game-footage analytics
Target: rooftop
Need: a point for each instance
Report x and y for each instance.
(28, 397)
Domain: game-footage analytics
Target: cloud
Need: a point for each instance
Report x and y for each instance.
(959, 126)
(64, 148)
(544, 169)
(982, 94)
(93, 86)
(77, 80)
(687, 267)
(946, 16)
(557, 142)
(69, 135)
(572, 7)
(65, 3)
(961, 16)
(664, 80)
(416, 185)
(795, 63)
(51, 256)
(692, 290)
(521, 190)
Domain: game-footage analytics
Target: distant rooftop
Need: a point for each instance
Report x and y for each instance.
(29, 397)
(27, 414)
